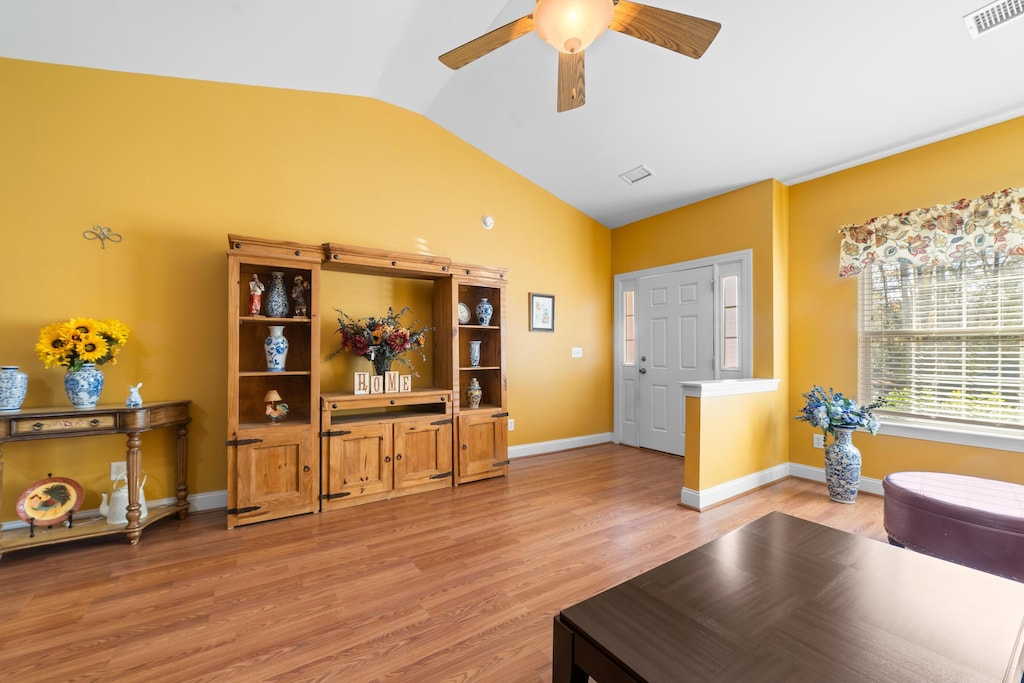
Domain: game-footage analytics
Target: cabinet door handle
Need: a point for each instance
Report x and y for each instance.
(94, 422)
(398, 456)
(465, 447)
(305, 468)
(37, 426)
(387, 458)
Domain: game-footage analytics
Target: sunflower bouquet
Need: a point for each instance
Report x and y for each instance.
(380, 340)
(81, 340)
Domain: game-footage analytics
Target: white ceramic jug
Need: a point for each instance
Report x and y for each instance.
(116, 511)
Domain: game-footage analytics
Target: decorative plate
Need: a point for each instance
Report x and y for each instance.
(464, 314)
(50, 501)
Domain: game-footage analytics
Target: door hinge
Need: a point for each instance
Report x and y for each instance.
(340, 432)
(242, 511)
(501, 463)
(500, 415)
(442, 422)
(442, 475)
(332, 496)
(712, 284)
(241, 442)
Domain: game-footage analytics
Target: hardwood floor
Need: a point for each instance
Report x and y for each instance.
(451, 585)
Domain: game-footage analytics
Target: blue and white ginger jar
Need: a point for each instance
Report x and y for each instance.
(84, 386)
(13, 385)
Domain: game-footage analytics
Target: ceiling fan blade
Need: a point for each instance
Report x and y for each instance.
(571, 93)
(680, 33)
(488, 42)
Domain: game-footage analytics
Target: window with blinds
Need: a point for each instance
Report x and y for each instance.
(945, 342)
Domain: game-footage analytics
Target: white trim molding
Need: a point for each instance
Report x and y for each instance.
(542, 447)
(701, 500)
(728, 387)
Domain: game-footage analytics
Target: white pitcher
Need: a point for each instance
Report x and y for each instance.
(116, 511)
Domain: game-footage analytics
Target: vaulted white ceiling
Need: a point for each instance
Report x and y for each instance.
(790, 89)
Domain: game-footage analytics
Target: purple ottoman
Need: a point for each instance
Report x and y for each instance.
(975, 522)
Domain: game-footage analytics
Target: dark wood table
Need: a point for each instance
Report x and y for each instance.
(784, 599)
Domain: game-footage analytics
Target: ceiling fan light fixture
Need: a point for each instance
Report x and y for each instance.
(570, 26)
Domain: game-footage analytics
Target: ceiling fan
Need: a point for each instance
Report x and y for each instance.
(571, 25)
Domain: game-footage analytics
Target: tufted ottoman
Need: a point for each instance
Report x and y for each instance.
(975, 522)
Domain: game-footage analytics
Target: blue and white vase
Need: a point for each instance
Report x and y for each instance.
(13, 385)
(276, 303)
(842, 466)
(276, 347)
(84, 386)
(484, 311)
(474, 353)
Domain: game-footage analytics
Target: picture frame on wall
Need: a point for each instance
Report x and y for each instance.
(542, 312)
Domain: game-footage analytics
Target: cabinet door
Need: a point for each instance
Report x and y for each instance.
(423, 453)
(357, 464)
(483, 446)
(275, 475)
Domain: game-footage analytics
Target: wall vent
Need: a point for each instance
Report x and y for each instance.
(994, 14)
(640, 172)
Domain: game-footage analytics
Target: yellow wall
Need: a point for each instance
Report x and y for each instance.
(174, 165)
(754, 218)
(729, 437)
(823, 308)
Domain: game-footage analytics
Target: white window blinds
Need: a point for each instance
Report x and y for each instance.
(945, 341)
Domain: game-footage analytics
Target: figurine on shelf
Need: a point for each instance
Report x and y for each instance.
(276, 409)
(255, 294)
(299, 296)
(134, 399)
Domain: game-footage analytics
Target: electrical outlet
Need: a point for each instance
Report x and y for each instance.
(118, 469)
(511, 425)
(577, 352)
(819, 440)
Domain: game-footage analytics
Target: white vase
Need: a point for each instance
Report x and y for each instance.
(13, 386)
(276, 347)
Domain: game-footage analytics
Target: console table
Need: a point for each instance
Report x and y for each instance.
(784, 599)
(63, 423)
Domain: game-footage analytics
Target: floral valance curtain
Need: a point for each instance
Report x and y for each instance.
(938, 235)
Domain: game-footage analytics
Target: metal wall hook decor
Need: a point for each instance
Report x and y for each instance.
(102, 234)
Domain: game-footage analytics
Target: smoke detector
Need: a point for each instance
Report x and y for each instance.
(993, 15)
(640, 172)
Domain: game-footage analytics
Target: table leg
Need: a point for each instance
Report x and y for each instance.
(182, 491)
(134, 466)
(563, 669)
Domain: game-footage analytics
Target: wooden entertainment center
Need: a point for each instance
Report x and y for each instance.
(333, 449)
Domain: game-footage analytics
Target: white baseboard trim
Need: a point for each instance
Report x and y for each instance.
(541, 447)
(867, 484)
(197, 502)
(699, 500)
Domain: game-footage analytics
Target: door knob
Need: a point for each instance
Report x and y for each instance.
(643, 371)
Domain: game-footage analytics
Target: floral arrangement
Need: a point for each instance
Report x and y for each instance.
(81, 340)
(828, 410)
(380, 340)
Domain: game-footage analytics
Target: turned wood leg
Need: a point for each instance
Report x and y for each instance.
(134, 466)
(182, 491)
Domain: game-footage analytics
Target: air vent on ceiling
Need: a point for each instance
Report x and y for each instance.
(992, 15)
(639, 173)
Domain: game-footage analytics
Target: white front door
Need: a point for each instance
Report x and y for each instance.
(675, 343)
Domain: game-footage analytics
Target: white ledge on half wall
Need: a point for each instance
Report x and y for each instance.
(707, 388)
